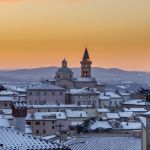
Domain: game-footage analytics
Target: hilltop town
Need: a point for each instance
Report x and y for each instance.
(73, 113)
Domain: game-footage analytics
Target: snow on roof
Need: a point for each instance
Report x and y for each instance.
(112, 95)
(104, 97)
(6, 111)
(134, 109)
(15, 89)
(15, 140)
(104, 143)
(60, 106)
(20, 104)
(76, 114)
(135, 102)
(76, 123)
(7, 98)
(6, 93)
(103, 110)
(101, 124)
(125, 114)
(82, 91)
(124, 93)
(28, 129)
(46, 116)
(131, 125)
(112, 116)
(143, 121)
(121, 86)
(85, 79)
(4, 122)
(45, 87)
(49, 137)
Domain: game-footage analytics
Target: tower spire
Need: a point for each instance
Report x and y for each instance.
(86, 54)
(86, 65)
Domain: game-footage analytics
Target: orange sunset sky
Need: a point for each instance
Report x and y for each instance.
(37, 33)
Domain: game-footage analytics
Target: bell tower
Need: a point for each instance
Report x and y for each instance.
(86, 65)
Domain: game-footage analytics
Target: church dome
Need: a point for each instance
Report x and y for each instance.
(65, 70)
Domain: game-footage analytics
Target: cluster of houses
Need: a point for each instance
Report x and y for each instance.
(58, 107)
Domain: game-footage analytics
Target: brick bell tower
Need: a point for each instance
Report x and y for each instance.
(86, 65)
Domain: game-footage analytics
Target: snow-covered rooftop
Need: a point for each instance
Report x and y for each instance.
(76, 114)
(7, 98)
(46, 116)
(104, 143)
(124, 94)
(45, 87)
(76, 123)
(102, 96)
(135, 109)
(6, 93)
(103, 110)
(135, 102)
(28, 129)
(125, 114)
(101, 125)
(85, 79)
(60, 106)
(82, 91)
(15, 140)
(113, 116)
(4, 122)
(131, 125)
(15, 89)
(112, 95)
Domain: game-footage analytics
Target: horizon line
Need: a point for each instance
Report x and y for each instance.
(30, 68)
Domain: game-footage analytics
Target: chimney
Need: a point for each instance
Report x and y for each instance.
(19, 112)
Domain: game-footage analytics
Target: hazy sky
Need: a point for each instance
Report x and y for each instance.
(36, 33)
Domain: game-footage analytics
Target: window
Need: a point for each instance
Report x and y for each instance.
(43, 123)
(53, 127)
(84, 102)
(6, 105)
(29, 123)
(53, 122)
(78, 103)
(37, 123)
(30, 93)
(89, 102)
(44, 131)
(61, 93)
(37, 131)
(45, 93)
(37, 93)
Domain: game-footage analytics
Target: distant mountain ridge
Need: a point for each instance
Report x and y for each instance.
(102, 75)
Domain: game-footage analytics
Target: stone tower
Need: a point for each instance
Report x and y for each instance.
(86, 65)
(19, 112)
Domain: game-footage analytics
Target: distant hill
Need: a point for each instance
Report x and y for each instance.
(102, 75)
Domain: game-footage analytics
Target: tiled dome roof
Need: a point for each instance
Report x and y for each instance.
(65, 70)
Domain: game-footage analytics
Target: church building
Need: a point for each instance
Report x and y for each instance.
(64, 76)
